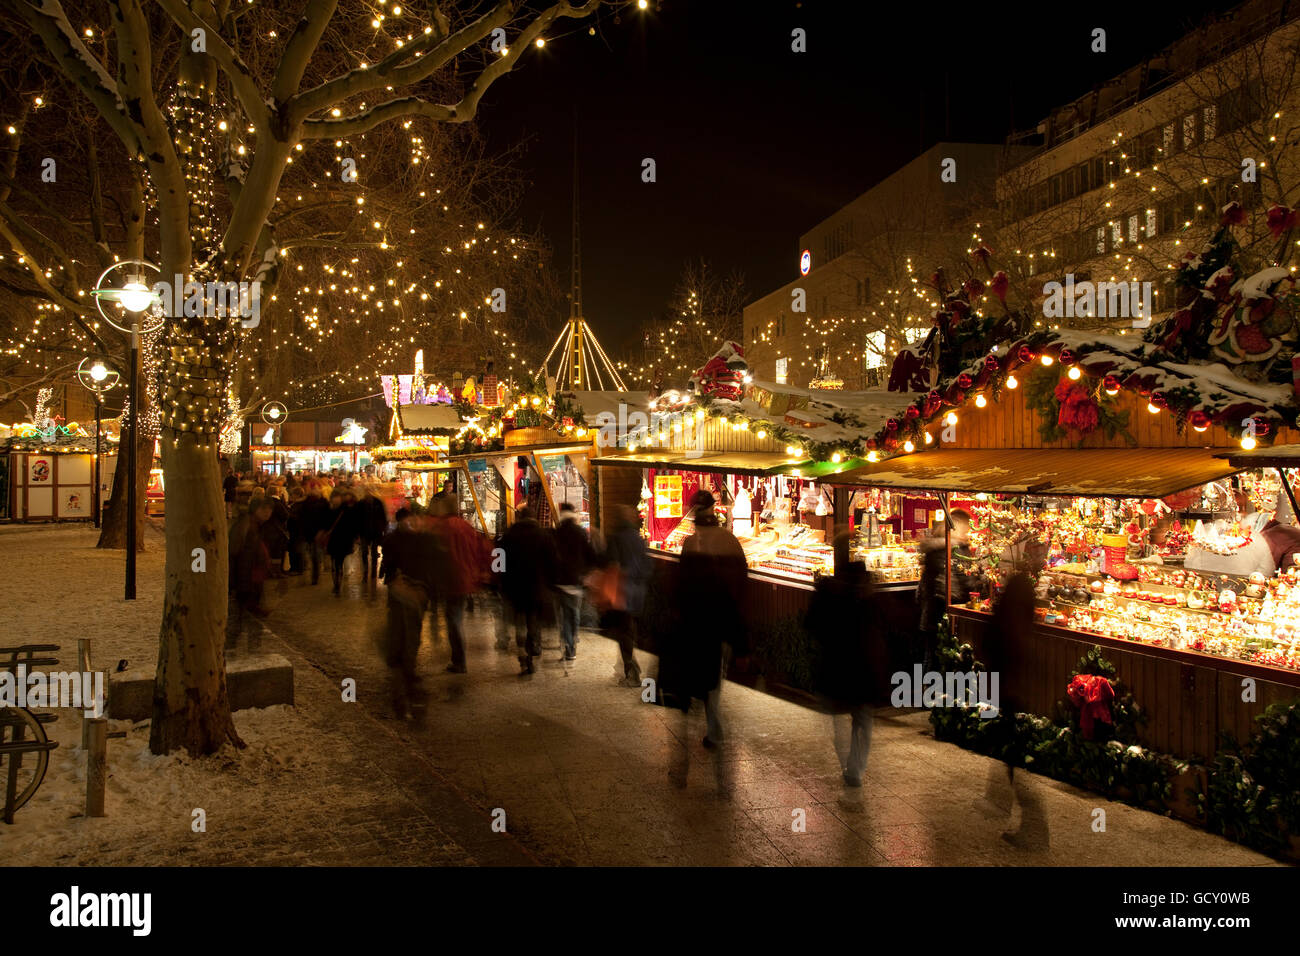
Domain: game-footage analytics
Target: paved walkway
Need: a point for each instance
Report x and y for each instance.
(580, 767)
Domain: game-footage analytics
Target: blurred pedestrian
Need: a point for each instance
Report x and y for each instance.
(575, 559)
(249, 566)
(933, 592)
(315, 519)
(228, 486)
(529, 562)
(408, 568)
(842, 621)
(372, 525)
(710, 598)
(459, 569)
(341, 537)
(275, 530)
(626, 558)
(297, 539)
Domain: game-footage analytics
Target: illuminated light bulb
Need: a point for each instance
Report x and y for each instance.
(873, 457)
(837, 458)
(929, 439)
(699, 414)
(1153, 408)
(1046, 360)
(762, 434)
(951, 418)
(1247, 442)
(642, 4)
(98, 372)
(980, 401)
(135, 296)
(677, 427)
(791, 451)
(908, 447)
(1012, 382)
(540, 43)
(1075, 373)
(723, 421)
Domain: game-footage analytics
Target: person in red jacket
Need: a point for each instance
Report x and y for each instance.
(463, 556)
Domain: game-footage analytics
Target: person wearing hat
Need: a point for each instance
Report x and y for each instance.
(711, 586)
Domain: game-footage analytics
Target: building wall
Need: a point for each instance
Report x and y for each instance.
(870, 263)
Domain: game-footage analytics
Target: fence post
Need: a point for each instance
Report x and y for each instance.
(96, 766)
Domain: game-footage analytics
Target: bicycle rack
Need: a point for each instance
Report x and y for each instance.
(16, 723)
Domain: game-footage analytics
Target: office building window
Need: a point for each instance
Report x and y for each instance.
(1132, 228)
(1167, 141)
(1116, 235)
(1101, 240)
(1151, 222)
(781, 370)
(1189, 130)
(1209, 120)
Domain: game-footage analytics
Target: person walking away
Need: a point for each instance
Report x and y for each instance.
(297, 538)
(711, 582)
(841, 620)
(575, 557)
(316, 519)
(408, 567)
(626, 556)
(275, 531)
(372, 523)
(462, 556)
(341, 537)
(529, 560)
(249, 566)
(1010, 631)
(930, 592)
(228, 486)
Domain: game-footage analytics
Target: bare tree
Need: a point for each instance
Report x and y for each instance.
(213, 211)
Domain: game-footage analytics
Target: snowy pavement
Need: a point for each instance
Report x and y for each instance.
(576, 765)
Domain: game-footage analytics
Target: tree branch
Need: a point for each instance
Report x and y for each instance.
(301, 46)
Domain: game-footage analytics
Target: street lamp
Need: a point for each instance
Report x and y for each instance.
(143, 315)
(273, 413)
(98, 378)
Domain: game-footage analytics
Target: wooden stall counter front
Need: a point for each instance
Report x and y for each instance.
(1189, 698)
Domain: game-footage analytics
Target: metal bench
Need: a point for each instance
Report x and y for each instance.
(22, 731)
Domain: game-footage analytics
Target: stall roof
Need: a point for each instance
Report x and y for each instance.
(1279, 456)
(595, 403)
(1109, 472)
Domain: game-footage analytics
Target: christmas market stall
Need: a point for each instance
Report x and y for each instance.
(46, 472)
(1117, 469)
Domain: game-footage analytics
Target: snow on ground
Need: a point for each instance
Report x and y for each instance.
(61, 587)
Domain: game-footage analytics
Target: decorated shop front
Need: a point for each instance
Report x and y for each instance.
(46, 473)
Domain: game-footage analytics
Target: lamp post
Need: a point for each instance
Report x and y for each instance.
(140, 304)
(98, 378)
(273, 413)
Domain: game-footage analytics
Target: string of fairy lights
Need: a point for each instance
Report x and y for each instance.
(389, 293)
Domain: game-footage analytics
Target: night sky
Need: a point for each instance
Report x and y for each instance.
(754, 144)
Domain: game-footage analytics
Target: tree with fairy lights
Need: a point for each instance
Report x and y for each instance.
(214, 204)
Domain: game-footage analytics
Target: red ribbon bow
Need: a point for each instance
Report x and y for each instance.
(1092, 694)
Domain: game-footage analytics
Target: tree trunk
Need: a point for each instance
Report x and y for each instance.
(191, 705)
(112, 533)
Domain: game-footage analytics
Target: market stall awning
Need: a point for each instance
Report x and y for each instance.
(729, 463)
(541, 448)
(1109, 472)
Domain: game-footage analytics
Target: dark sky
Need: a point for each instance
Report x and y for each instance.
(753, 143)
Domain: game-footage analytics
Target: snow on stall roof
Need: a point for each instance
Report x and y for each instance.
(425, 418)
(864, 412)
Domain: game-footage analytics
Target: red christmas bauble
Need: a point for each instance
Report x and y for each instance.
(991, 363)
(1026, 354)
(964, 380)
(892, 425)
(913, 411)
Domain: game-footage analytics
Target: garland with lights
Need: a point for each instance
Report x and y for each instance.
(1065, 407)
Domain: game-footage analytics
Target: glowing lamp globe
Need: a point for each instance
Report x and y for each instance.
(135, 296)
(98, 372)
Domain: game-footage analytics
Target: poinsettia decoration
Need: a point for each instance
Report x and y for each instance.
(1067, 407)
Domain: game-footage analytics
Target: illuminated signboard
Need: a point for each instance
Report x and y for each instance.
(805, 262)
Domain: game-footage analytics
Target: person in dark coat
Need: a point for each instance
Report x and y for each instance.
(529, 563)
(228, 486)
(575, 557)
(249, 566)
(710, 595)
(275, 532)
(625, 549)
(408, 570)
(372, 525)
(341, 534)
(842, 624)
(314, 519)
